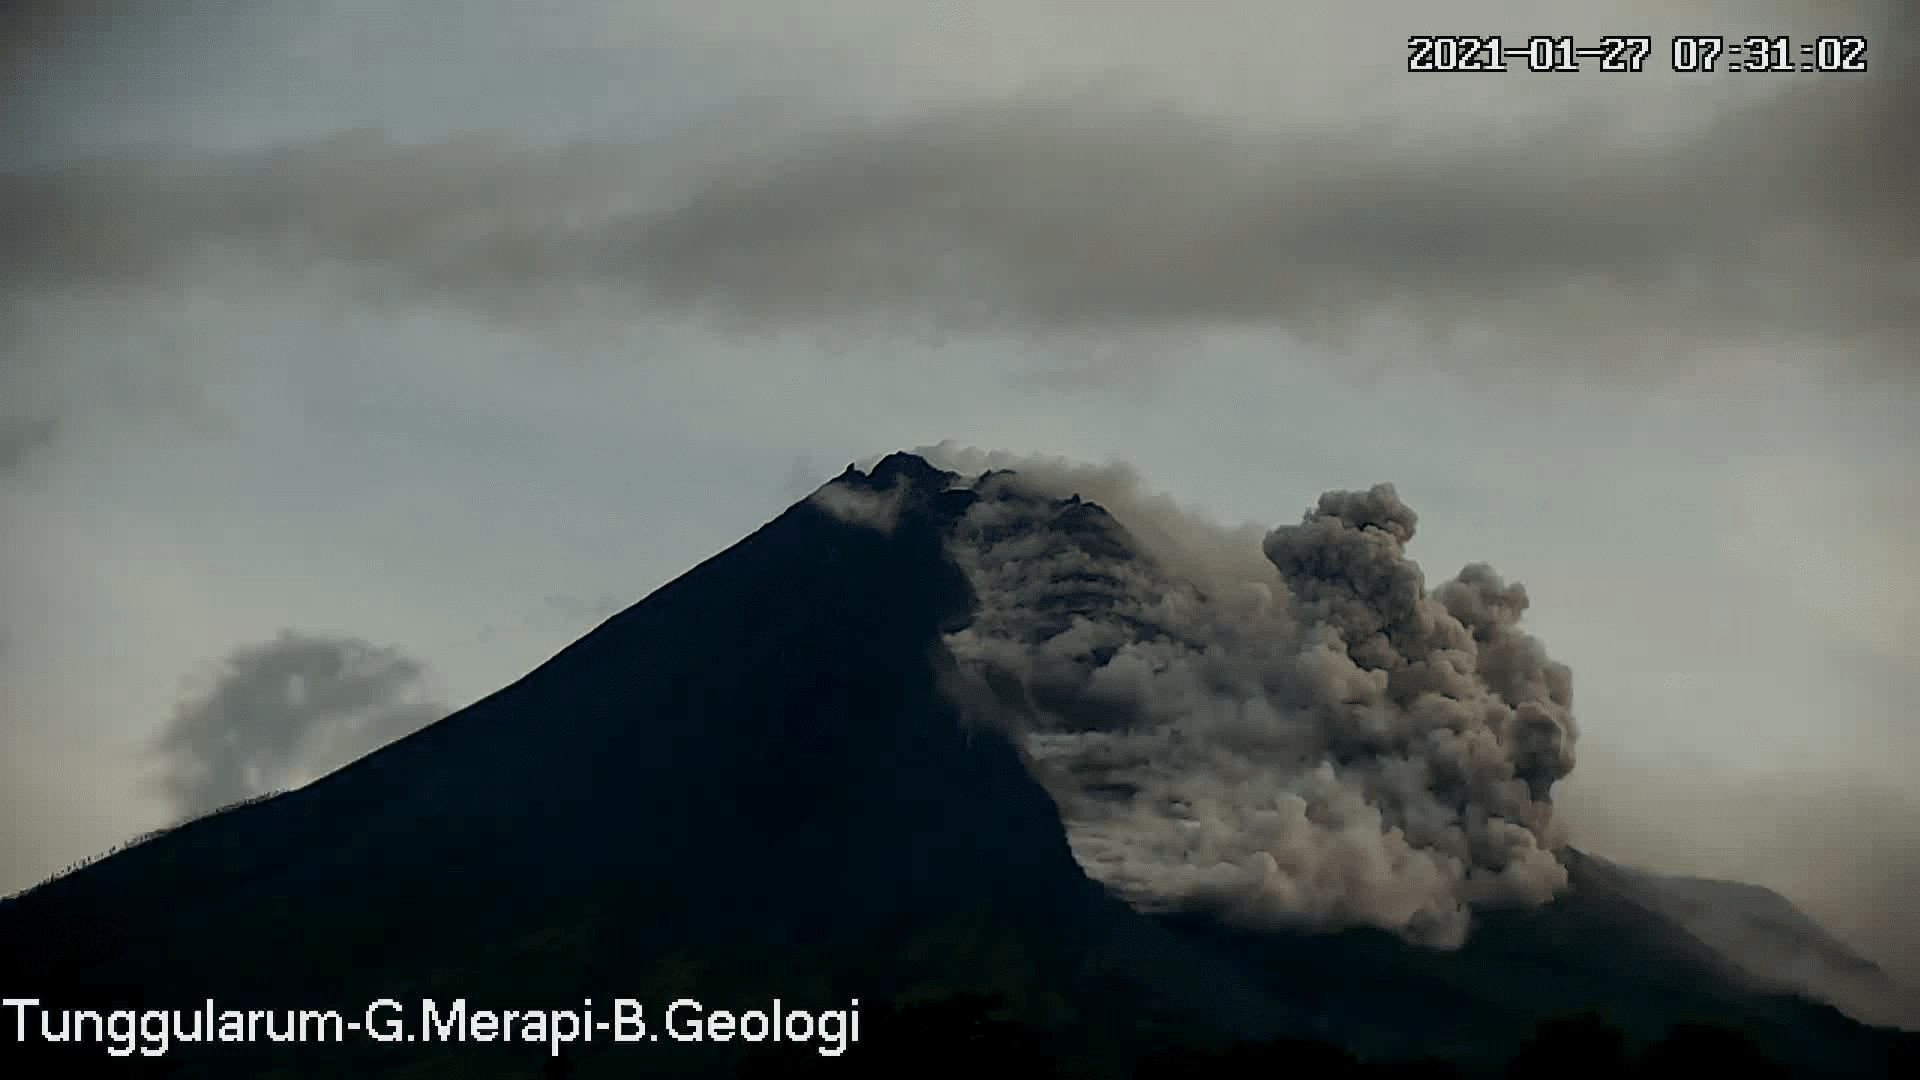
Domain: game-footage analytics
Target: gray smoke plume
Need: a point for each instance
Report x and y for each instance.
(285, 712)
(858, 506)
(1316, 740)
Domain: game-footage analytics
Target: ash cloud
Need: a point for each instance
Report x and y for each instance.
(285, 712)
(1313, 739)
(858, 505)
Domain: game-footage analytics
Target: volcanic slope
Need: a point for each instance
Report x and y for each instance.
(792, 773)
(748, 785)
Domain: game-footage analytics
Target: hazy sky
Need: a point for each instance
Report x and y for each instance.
(355, 357)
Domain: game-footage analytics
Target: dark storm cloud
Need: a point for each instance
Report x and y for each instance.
(1791, 217)
(451, 215)
(30, 30)
(85, 241)
(21, 438)
(67, 64)
(1588, 238)
(284, 712)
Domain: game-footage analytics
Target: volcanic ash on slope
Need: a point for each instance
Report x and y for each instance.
(1315, 741)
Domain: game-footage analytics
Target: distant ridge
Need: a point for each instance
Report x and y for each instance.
(1770, 940)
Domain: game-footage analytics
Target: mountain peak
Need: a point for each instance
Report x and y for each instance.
(922, 733)
(1761, 933)
(760, 752)
(902, 467)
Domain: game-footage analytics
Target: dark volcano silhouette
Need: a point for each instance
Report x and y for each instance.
(755, 785)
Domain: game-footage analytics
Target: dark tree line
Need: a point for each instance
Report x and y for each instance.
(143, 838)
(969, 1031)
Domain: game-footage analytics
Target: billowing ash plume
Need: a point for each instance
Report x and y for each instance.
(1313, 741)
(285, 711)
(859, 506)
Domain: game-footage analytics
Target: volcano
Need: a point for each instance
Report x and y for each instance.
(924, 742)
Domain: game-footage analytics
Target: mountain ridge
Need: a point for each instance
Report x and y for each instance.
(1772, 941)
(761, 772)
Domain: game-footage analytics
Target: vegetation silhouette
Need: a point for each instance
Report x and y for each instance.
(1587, 1037)
(974, 1030)
(144, 838)
(1697, 1049)
(966, 1030)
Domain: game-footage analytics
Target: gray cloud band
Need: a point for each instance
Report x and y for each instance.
(1782, 221)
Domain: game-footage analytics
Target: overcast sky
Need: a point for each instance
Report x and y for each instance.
(355, 357)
